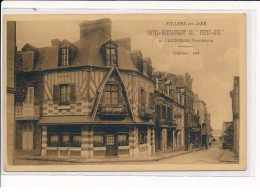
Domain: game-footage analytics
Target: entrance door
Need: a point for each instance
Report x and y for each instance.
(158, 136)
(111, 148)
(27, 134)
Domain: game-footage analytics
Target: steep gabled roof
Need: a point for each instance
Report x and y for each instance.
(28, 47)
(101, 88)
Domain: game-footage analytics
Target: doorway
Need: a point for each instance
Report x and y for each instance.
(111, 145)
(27, 136)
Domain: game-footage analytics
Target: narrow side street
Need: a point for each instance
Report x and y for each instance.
(211, 155)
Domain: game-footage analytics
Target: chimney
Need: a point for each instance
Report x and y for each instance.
(103, 25)
(124, 42)
(55, 42)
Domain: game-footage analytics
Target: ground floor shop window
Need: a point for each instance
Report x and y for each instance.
(123, 139)
(64, 136)
(142, 137)
(99, 140)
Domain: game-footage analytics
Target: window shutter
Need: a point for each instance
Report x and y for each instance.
(73, 96)
(55, 94)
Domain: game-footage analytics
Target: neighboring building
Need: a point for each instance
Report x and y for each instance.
(234, 94)
(184, 85)
(10, 91)
(89, 99)
(169, 130)
(227, 135)
(199, 107)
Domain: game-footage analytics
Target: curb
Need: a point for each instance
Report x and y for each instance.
(113, 161)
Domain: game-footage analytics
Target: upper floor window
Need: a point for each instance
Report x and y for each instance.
(30, 96)
(111, 94)
(64, 56)
(64, 94)
(140, 64)
(151, 100)
(109, 52)
(111, 57)
(164, 112)
(28, 60)
(142, 97)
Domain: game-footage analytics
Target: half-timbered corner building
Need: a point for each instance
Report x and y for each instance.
(91, 99)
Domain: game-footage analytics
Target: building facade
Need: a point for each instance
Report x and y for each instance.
(10, 124)
(88, 99)
(96, 98)
(234, 94)
(228, 135)
(183, 83)
(169, 120)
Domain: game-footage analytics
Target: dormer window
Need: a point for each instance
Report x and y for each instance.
(109, 52)
(65, 56)
(28, 60)
(140, 65)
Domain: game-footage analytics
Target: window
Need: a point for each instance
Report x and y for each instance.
(142, 97)
(53, 140)
(30, 96)
(64, 137)
(142, 137)
(151, 100)
(111, 94)
(164, 112)
(111, 55)
(64, 57)
(64, 94)
(110, 139)
(140, 64)
(169, 114)
(99, 140)
(75, 140)
(123, 139)
(28, 60)
(158, 111)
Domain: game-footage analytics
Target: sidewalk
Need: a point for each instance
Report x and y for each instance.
(154, 157)
(228, 156)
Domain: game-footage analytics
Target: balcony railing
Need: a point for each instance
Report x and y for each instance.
(172, 122)
(167, 122)
(27, 112)
(145, 112)
(113, 109)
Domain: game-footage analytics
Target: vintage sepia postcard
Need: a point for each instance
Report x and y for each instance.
(125, 92)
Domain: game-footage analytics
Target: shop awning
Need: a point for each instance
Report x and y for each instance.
(66, 120)
(126, 121)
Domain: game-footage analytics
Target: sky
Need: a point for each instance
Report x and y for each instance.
(212, 70)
